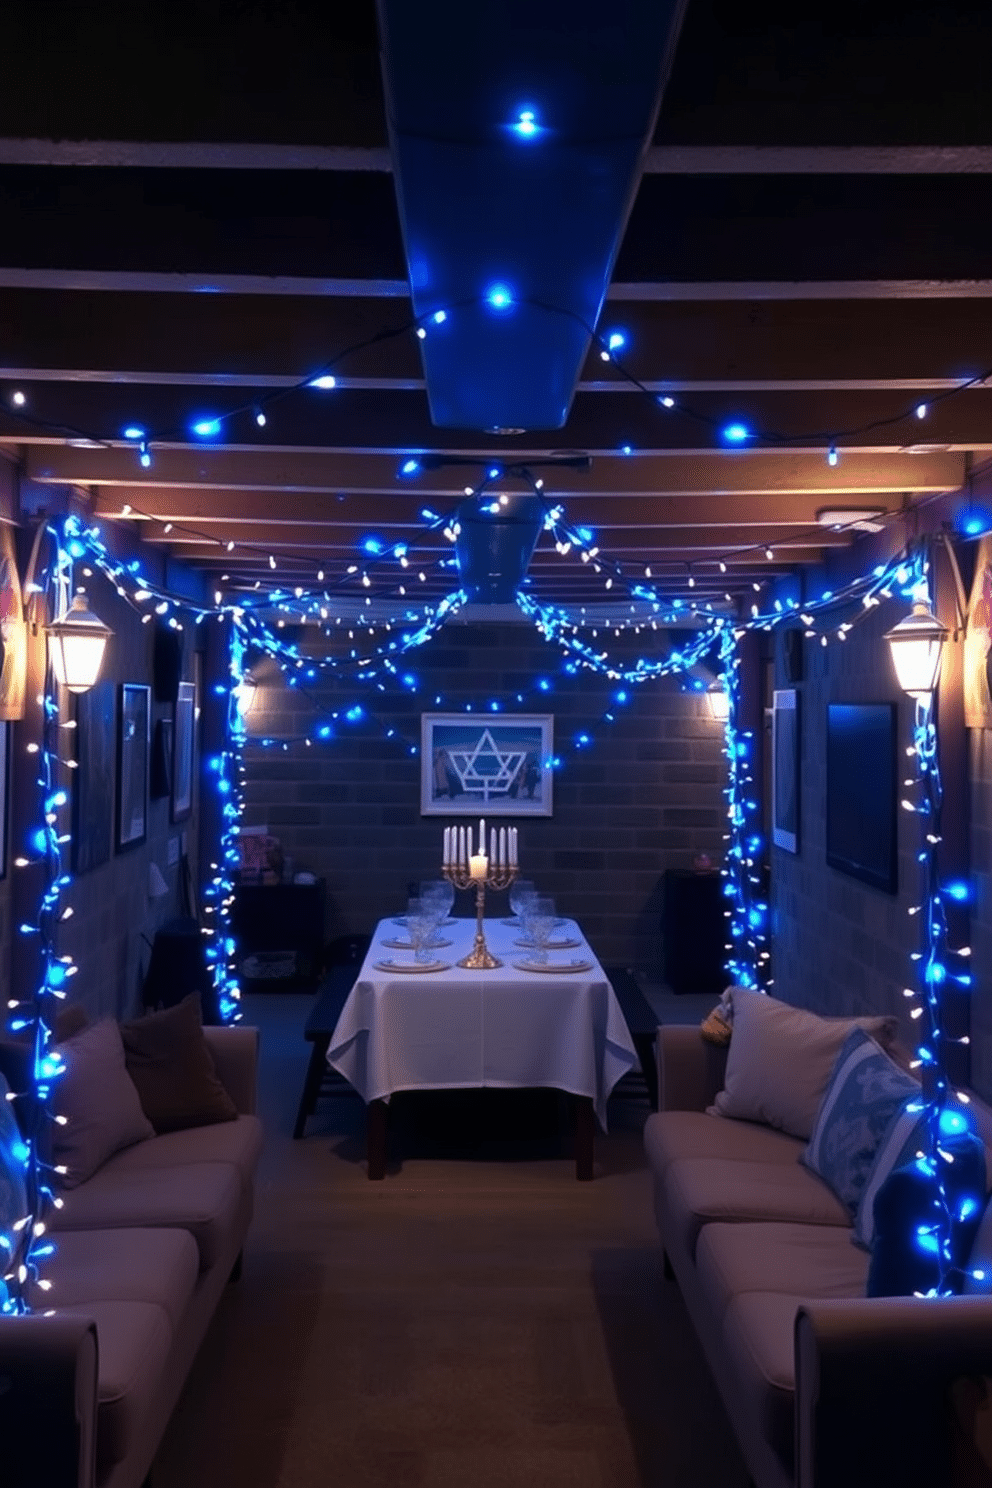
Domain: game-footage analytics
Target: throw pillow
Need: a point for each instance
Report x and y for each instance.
(718, 1025)
(780, 1060)
(173, 1070)
(97, 1096)
(905, 1257)
(866, 1090)
(13, 1179)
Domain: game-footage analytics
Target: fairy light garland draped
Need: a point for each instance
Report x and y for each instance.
(32, 1018)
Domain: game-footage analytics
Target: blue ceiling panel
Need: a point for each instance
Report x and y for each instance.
(517, 134)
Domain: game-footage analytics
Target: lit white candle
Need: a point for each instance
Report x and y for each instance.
(502, 847)
(478, 867)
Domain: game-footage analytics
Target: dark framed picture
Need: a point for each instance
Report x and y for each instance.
(160, 773)
(93, 778)
(496, 766)
(862, 791)
(132, 765)
(182, 752)
(785, 769)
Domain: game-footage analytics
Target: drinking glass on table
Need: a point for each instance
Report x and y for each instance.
(441, 891)
(541, 924)
(521, 890)
(434, 900)
(419, 923)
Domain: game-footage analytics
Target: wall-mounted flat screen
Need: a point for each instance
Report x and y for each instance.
(861, 792)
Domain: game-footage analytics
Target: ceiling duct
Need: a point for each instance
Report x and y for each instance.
(518, 134)
(496, 539)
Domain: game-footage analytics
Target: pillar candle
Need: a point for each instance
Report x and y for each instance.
(502, 847)
(478, 865)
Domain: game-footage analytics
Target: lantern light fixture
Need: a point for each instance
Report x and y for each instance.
(718, 699)
(916, 644)
(76, 643)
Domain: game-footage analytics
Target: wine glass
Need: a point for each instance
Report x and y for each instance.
(521, 890)
(541, 918)
(440, 889)
(419, 923)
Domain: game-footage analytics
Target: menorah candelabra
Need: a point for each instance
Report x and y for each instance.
(497, 876)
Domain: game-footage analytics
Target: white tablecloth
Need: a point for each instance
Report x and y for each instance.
(456, 1028)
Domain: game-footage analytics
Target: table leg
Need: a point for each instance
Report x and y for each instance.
(376, 1138)
(585, 1136)
(313, 1082)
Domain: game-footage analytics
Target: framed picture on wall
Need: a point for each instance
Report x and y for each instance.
(132, 765)
(182, 752)
(486, 766)
(785, 769)
(93, 778)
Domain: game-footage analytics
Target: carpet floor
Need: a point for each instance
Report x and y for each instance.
(476, 1319)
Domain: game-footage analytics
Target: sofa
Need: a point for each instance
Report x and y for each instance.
(143, 1251)
(825, 1387)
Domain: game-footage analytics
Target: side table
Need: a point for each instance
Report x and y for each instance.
(282, 917)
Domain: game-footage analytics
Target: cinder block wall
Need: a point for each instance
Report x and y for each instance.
(645, 796)
(842, 947)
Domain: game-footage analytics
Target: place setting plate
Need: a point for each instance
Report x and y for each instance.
(401, 920)
(553, 945)
(553, 966)
(412, 967)
(513, 923)
(407, 945)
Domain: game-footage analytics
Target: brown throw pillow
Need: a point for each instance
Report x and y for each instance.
(173, 1070)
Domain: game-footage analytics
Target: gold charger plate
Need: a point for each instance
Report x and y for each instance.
(552, 966)
(411, 967)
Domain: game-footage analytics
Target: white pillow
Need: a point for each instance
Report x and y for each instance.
(781, 1058)
(99, 1100)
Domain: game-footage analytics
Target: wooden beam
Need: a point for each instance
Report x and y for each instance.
(335, 472)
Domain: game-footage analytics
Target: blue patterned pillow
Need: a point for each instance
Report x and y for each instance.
(866, 1090)
(904, 1139)
(13, 1188)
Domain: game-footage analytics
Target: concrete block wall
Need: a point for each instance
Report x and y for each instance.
(645, 796)
(841, 947)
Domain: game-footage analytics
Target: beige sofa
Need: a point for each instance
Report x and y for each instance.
(144, 1250)
(825, 1388)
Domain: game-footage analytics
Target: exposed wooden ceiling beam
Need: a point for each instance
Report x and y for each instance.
(400, 510)
(674, 474)
(660, 159)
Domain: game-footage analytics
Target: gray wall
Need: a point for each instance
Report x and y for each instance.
(841, 946)
(645, 797)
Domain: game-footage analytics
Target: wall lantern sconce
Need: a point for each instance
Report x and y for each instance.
(718, 699)
(246, 695)
(76, 643)
(916, 644)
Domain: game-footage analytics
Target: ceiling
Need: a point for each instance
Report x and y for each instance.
(200, 218)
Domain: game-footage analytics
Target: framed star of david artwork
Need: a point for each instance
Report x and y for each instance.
(490, 766)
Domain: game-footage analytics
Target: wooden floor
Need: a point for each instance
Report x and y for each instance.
(478, 1318)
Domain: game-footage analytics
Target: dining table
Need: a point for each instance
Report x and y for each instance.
(441, 1026)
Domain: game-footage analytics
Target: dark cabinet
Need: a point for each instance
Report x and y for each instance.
(694, 928)
(279, 929)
